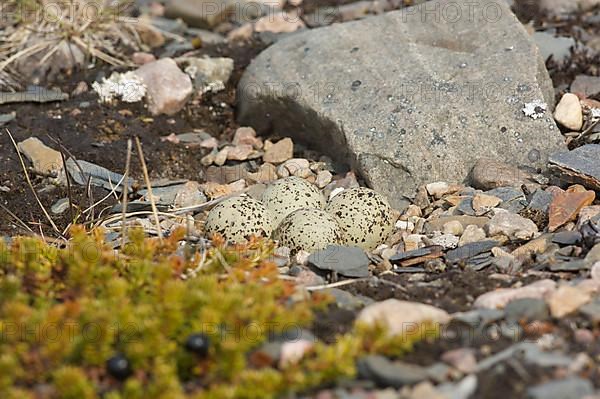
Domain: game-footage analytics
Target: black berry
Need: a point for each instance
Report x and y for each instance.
(118, 366)
(198, 344)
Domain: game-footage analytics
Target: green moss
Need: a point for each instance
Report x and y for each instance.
(64, 312)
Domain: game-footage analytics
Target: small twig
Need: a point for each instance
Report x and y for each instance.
(46, 214)
(338, 284)
(588, 130)
(208, 204)
(65, 149)
(69, 192)
(125, 194)
(223, 262)
(391, 284)
(149, 187)
(21, 222)
(107, 196)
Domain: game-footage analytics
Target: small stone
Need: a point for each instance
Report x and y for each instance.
(537, 246)
(296, 165)
(324, 177)
(396, 315)
(279, 152)
(302, 257)
(565, 207)
(240, 152)
(199, 13)
(586, 85)
(413, 210)
(293, 351)
(453, 227)
(540, 201)
(591, 310)
(587, 213)
(595, 272)
(388, 373)
(405, 226)
(569, 112)
(141, 58)
(488, 174)
(462, 359)
(247, 135)
(499, 298)
(464, 389)
(446, 241)
(227, 174)
(439, 189)
(512, 226)
(267, 172)
(216, 190)
(437, 224)
(567, 238)
(470, 250)
(44, 159)
(309, 278)
(60, 206)
(221, 156)
(568, 388)
(345, 300)
(424, 390)
(167, 87)
(483, 203)
(413, 242)
(279, 22)
(189, 194)
(241, 33)
(346, 261)
(472, 234)
(82, 87)
(584, 336)
(209, 74)
(567, 299)
(593, 256)
(527, 310)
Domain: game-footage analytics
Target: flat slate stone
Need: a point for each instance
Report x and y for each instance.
(470, 250)
(568, 388)
(567, 238)
(578, 166)
(417, 253)
(387, 373)
(346, 261)
(540, 201)
(405, 96)
(507, 194)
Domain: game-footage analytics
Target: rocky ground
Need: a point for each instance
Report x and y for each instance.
(487, 161)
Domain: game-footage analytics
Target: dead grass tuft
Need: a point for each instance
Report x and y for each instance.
(49, 34)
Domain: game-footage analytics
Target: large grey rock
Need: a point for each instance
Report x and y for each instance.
(406, 97)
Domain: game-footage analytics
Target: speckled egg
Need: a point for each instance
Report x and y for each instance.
(238, 218)
(366, 217)
(308, 229)
(289, 194)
